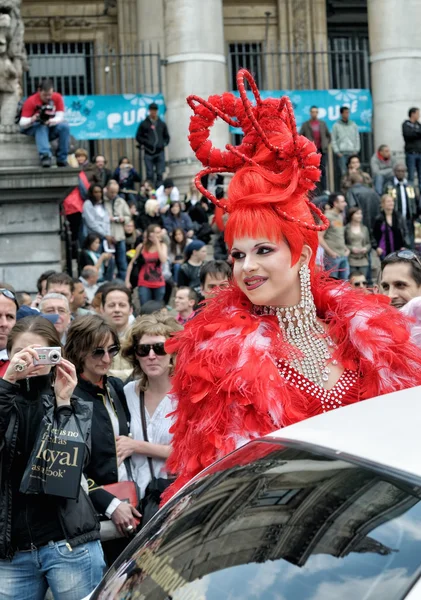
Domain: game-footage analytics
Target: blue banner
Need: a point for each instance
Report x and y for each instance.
(328, 102)
(108, 117)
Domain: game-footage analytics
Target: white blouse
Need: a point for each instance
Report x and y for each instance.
(158, 433)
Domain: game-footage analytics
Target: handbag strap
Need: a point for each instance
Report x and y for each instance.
(127, 463)
(145, 429)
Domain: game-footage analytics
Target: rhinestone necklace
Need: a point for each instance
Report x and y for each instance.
(303, 331)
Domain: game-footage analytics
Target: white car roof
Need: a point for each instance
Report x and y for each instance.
(384, 430)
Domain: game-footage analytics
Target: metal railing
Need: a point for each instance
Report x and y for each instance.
(343, 64)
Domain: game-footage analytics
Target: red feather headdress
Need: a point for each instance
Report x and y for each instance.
(271, 143)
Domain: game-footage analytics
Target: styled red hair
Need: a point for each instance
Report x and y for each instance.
(256, 214)
(274, 167)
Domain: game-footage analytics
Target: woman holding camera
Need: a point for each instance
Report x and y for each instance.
(91, 346)
(45, 541)
(152, 367)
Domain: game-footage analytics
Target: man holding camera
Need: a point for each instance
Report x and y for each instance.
(43, 118)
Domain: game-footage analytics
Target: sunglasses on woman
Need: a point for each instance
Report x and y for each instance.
(112, 351)
(143, 350)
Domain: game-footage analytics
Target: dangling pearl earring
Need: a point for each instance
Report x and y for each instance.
(306, 301)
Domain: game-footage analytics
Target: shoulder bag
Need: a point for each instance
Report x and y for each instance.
(126, 491)
(149, 505)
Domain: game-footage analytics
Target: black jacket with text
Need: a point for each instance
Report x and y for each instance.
(28, 520)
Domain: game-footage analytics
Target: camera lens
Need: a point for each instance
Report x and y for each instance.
(55, 356)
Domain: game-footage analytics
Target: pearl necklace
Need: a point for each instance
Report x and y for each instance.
(303, 331)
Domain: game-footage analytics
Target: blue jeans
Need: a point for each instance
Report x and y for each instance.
(121, 259)
(341, 168)
(175, 271)
(413, 163)
(146, 294)
(337, 267)
(44, 134)
(71, 575)
(155, 162)
(379, 184)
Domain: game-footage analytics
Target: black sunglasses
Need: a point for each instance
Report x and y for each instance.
(10, 295)
(101, 352)
(406, 254)
(143, 350)
(360, 284)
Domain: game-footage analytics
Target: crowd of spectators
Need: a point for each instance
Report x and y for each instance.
(146, 259)
(371, 215)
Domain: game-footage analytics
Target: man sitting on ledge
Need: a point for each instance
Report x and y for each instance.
(43, 118)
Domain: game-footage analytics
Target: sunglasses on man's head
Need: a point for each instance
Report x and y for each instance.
(143, 350)
(112, 351)
(405, 254)
(10, 295)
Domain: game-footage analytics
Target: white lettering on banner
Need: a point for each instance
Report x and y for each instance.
(333, 113)
(113, 119)
(130, 117)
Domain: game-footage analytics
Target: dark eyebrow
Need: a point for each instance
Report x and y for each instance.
(257, 245)
(394, 282)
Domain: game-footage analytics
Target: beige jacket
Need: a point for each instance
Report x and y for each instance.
(118, 208)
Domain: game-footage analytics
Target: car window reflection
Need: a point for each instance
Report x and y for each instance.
(290, 525)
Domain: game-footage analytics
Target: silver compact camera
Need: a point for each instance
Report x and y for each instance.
(48, 356)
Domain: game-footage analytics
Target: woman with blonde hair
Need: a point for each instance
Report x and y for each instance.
(152, 215)
(148, 396)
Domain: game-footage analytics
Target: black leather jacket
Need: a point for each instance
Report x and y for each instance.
(31, 520)
(153, 136)
(103, 468)
(412, 135)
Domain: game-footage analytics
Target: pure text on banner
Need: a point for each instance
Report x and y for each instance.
(109, 117)
(328, 102)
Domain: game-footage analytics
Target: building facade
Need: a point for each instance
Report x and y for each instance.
(180, 47)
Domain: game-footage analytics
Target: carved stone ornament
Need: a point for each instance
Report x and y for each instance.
(12, 60)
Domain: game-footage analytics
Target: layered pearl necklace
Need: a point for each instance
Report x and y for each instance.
(303, 331)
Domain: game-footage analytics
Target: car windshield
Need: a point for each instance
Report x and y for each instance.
(278, 523)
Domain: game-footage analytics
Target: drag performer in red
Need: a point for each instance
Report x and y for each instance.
(283, 342)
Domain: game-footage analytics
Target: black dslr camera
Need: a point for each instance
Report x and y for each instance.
(46, 112)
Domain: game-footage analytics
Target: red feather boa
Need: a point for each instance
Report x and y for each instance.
(229, 389)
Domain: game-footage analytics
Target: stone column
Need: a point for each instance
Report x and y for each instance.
(395, 66)
(196, 64)
(150, 38)
(303, 28)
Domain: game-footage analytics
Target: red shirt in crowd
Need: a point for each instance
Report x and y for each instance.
(30, 106)
(315, 128)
